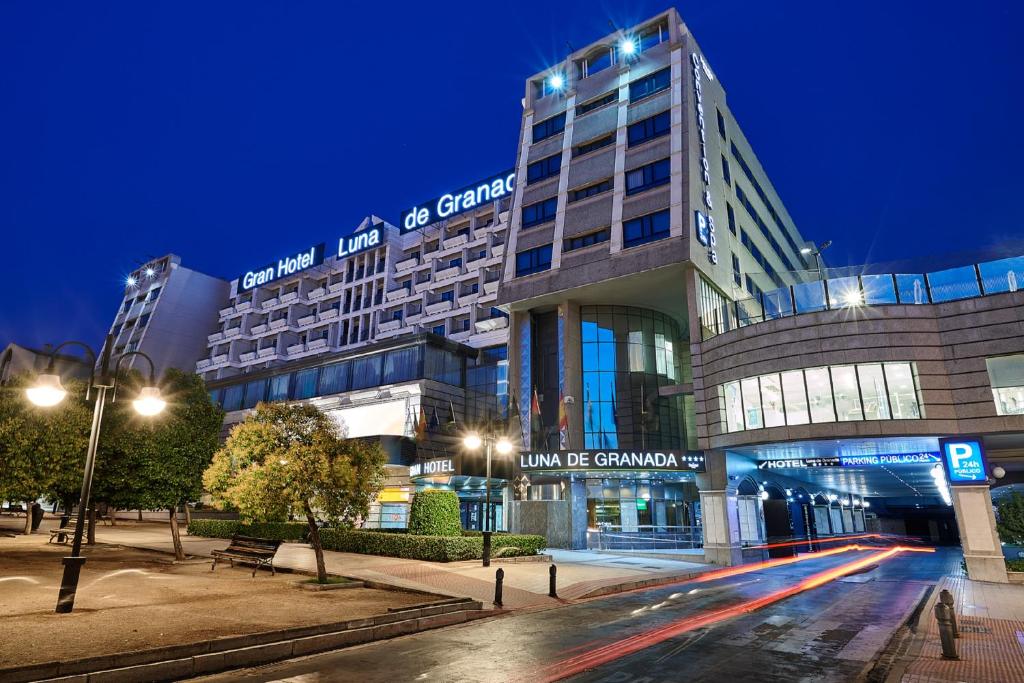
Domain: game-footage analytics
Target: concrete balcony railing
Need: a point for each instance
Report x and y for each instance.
(296, 349)
(336, 287)
(259, 329)
(227, 311)
(491, 287)
(279, 323)
(202, 364)
(414, 317)
(243, 306)
(315, 294)
(497, 249)
(397, 294)
(329, 314)
(247, 357)
(455, 241)
(215, 337)
(468, 297)
(219, 359)
(290, 296)
(232, 332)
(267, 352)
(421, 287)
(407, 264)
(491, 324)
(446, 273)
(307, 320)
(462, 335)
(270, 303)
(439, 307)
(315, 344)
(389, 325)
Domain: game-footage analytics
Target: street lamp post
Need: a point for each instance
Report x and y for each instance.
(490, 442)
(47, 392)
(816, 251)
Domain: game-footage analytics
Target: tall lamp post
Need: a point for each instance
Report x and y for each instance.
(46, 392)
(490, 442)
(816, 250)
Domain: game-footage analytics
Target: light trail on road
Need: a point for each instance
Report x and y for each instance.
(622, 648)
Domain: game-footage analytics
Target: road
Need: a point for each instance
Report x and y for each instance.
(694, 631)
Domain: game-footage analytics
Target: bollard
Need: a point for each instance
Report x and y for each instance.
(499, 578)
(946, 598)
(942, 613)
(552, 572)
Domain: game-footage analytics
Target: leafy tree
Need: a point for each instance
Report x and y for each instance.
(42, 449)
(158, 462)
(435, 513)
(1010, 523)
(289, 460)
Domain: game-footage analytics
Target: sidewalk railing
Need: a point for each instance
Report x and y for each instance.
(645, 537)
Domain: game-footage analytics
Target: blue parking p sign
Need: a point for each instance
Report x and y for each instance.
(964, 460)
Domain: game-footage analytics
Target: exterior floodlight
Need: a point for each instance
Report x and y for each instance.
(867, 504)
(47, 391)
(503, 446)
(627, 46)
(150, 272)
(130, 281)
(557, 81)
(806, 250)
(764, 495)
(853, 298)
(472, 442)
(998, 472)
(832, 497)
(149, 402)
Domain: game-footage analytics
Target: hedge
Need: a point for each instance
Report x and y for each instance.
(226, 528)
(435, 513)
(430, 548)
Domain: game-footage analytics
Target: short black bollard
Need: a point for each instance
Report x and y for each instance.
(552, 572)
(942, 612)
(946, 598)
(499, 578)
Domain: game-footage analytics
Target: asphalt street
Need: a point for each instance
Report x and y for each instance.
(693, 631)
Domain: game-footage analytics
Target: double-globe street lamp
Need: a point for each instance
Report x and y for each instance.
(815, 251)
(48, 391)
(490, 442)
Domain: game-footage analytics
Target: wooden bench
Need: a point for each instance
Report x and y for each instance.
(67, 531)
(13, 510)
(259, 551)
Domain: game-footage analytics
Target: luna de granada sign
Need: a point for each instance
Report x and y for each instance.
(677, 461)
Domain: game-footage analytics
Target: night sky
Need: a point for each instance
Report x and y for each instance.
(232, 133)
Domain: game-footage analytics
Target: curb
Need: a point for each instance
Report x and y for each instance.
(176, 662)
(638, 584)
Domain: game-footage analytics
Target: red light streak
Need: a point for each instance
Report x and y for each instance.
(833, 539)
(641, 641)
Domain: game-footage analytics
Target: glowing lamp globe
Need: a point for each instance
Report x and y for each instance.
(47, 391)
(504, 446)
(556, 81)
(472, 442)
(627, 46)
(149, 402)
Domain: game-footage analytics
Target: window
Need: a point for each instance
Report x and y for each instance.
(1006, 374)
(448, 296)
(396, 315)
(455, 262)
(737, 276)
(305, 383)
(548, 127)
(654, 35)
(590, 106)
(653, 226)
(233, 397)
(143, 319)
(721, 123)
(255, 392)
(154, 293)
(545, 168)
(648, 85)
(598, 60)
(334, 378)
(533, 260)
(732, 217)
(869, 391)
(593, 145)
(366, 371)
(401, 365)
(590, 190)
(438, 330)
(540, 212)
(646, 177)
(650, 128)
(587, 240)
(726, 172)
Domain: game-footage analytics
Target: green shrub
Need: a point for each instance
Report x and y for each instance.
(435, 513)
(430, 548)
(226, 528)
(1015, 565)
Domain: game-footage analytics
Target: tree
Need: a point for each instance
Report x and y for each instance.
(158, 462)
(293, 460)
(1011, 519)
(42, 449)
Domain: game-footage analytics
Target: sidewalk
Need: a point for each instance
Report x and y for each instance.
(991, 643)
(580, 573)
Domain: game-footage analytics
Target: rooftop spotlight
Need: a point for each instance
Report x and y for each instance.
(556, 81)
(150, 272)
(130, 281)
(627, 46)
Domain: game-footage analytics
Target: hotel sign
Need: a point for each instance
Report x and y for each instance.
(875, 460)
(676, 461)
(705, 223)
(360, 241)
(288, 265)
(440, 467)
(453, 203)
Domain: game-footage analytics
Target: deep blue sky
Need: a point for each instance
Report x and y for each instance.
(233, 132)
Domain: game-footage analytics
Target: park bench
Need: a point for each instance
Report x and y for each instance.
(13, 509)
(65, 531)
(259, 551)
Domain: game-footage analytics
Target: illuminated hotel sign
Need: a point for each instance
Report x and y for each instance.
(705, 223)
(360, 241)
(453, 203)
(289, 265)
(964, 459)
(875, 460)
(433, 468)
(678, 461)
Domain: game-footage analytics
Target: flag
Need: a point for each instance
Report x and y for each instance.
(536, 423)
(434, 421)
(563, 423)
(421, 426)
(515, 418)
(451, 417)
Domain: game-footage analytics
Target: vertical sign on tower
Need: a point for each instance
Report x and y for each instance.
(705, 222)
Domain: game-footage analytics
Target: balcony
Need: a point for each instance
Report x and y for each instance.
(259, 329)
(455, 241)
(421, 287)
(447, 273)
(315, 344)
(315, 294)
(232, 332)
(290, 296)
(461, 336)
(329, 314)
(270, 303)
(220, 359)
(267, 352)
(279, 323)
(336, 287)
(407, 264)
(497, 249)
(466, 298)
(397, 294)
(224, 312)
(243, 306)
(202, 364)
(413, 318)
(491, 324)
(491, 287)
(307, 320)
(295, 349)
(247, 356)
(215, 337)
(389, 325)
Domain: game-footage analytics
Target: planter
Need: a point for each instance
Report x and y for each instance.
(311, 585)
